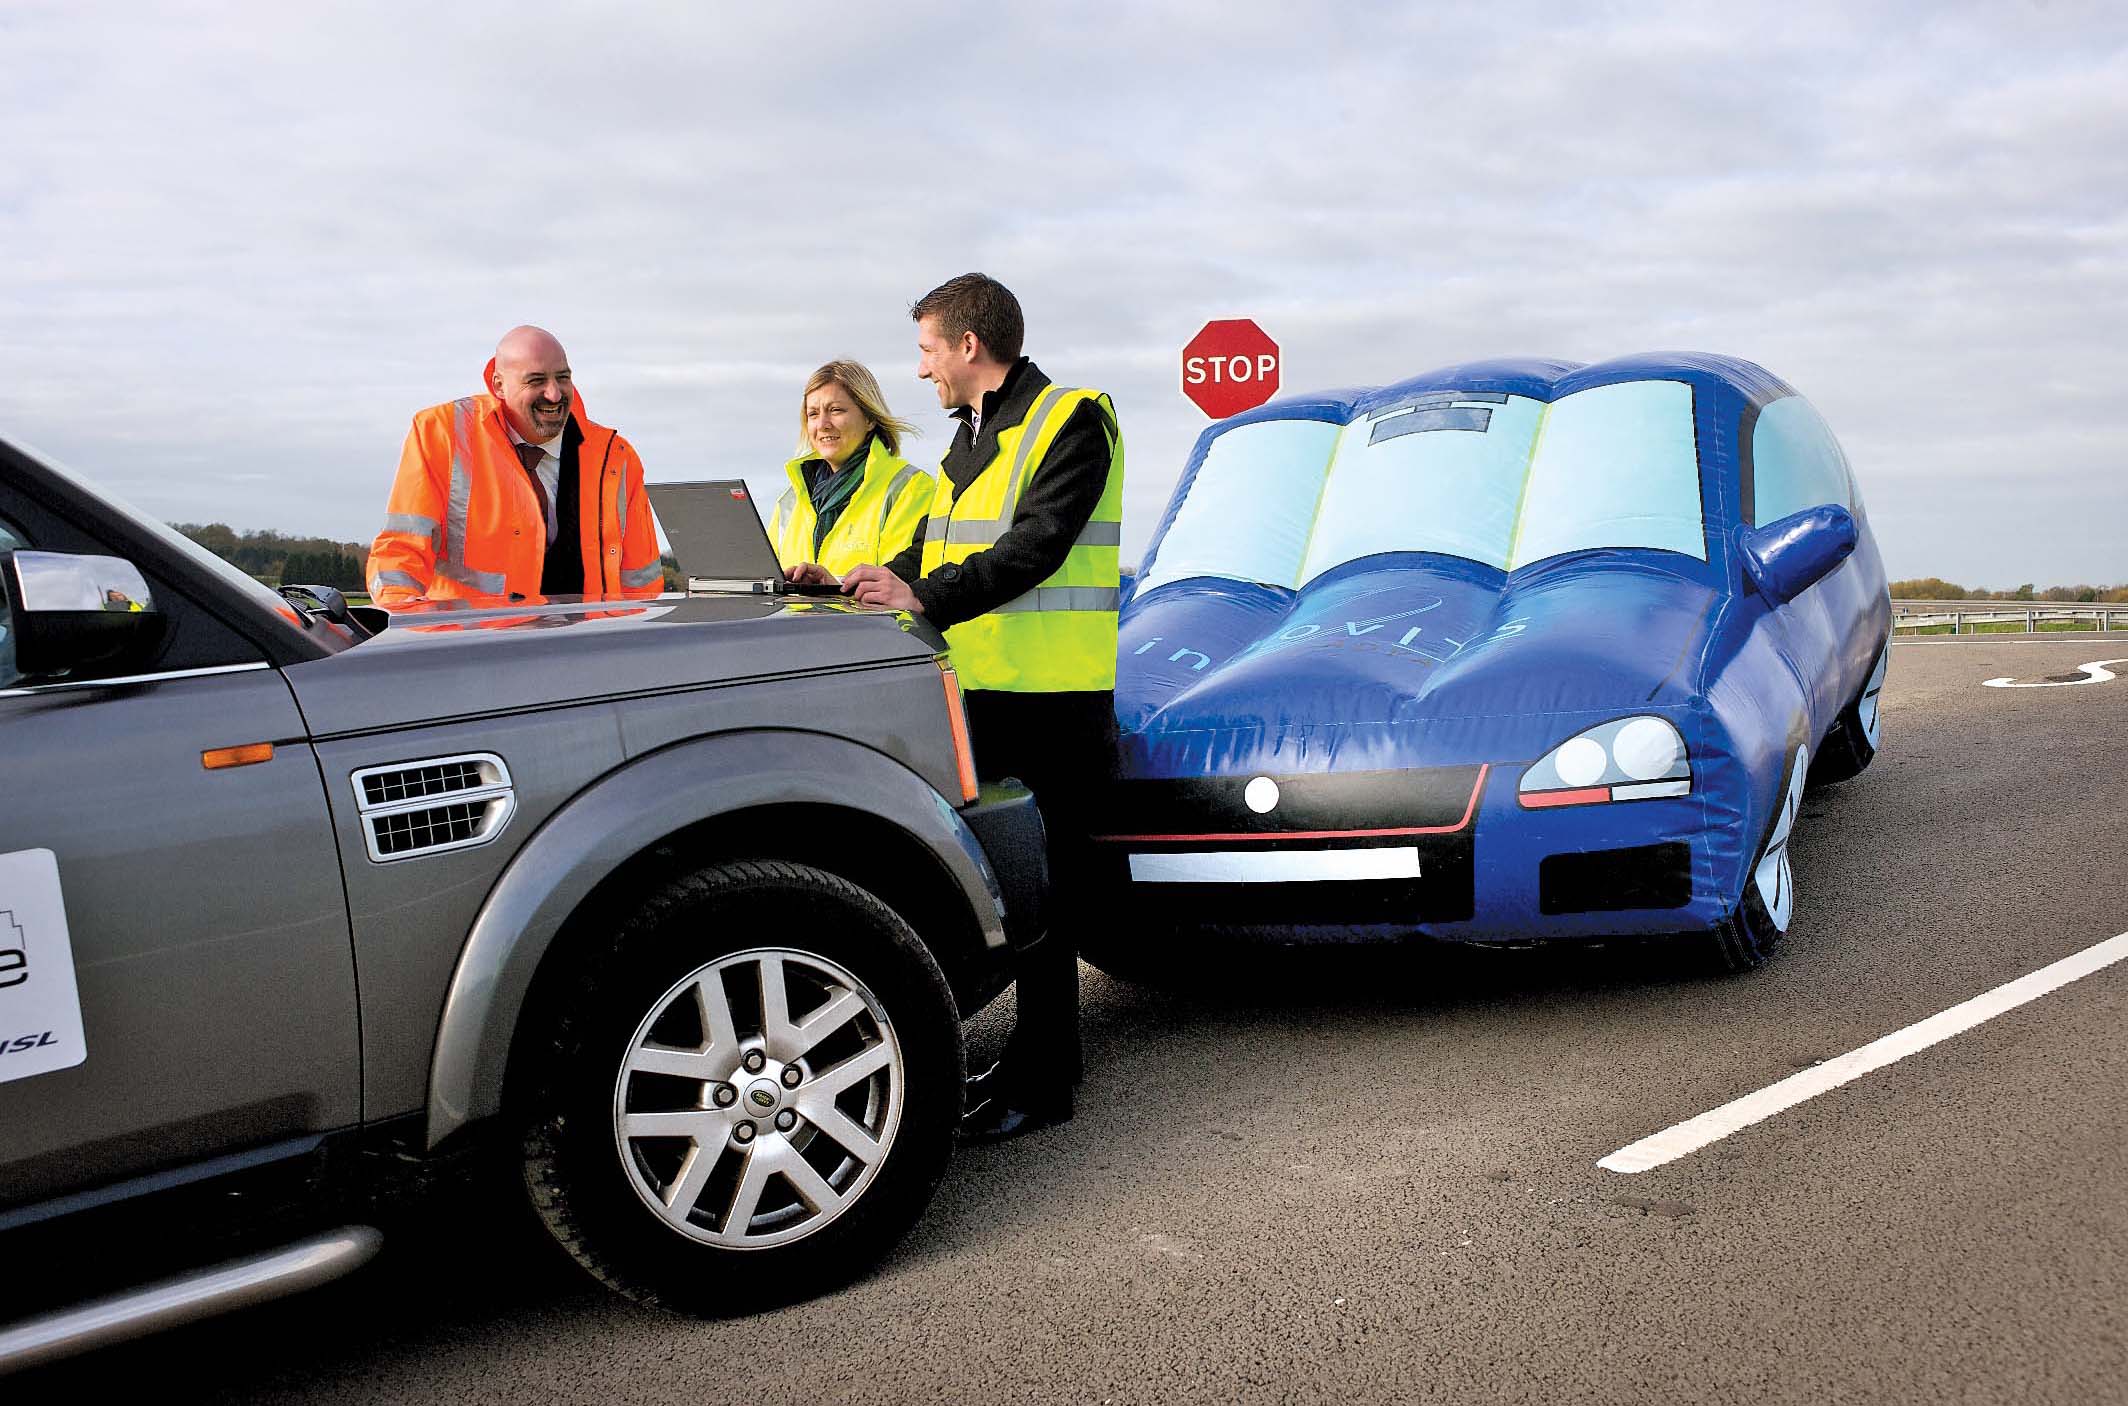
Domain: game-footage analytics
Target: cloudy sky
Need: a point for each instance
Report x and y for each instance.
(240, 244)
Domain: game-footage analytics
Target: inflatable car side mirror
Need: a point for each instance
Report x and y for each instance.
(1788, 557)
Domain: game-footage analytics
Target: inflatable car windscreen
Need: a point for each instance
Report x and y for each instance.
(1511, 650)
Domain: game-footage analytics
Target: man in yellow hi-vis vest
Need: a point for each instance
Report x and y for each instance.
(1017, 565)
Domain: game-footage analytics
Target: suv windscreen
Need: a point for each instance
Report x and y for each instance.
(176, 541)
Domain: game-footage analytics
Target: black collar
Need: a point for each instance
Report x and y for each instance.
(1002, 409)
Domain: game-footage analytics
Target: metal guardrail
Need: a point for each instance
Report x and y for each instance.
(1962, 617)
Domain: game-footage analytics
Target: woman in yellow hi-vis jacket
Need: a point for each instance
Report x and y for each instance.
(853, 500)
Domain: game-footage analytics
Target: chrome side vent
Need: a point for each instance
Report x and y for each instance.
(426, 807)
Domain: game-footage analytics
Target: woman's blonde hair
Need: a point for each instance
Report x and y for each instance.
(863, 387)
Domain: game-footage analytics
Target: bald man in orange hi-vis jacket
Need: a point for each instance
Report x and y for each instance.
(516, 492)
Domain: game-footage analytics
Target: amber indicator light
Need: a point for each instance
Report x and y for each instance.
(250, 754)
(957, 718)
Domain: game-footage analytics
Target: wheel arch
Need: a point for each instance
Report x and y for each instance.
(1755, 713)
(806, 797)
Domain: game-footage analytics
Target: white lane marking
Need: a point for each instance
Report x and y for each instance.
(2096, 669)
(1716, 1124)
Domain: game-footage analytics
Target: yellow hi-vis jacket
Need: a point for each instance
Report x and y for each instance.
(1059, 637)
(881, 519)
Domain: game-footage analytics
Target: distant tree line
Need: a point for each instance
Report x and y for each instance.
(1936, 588)
(279, 559)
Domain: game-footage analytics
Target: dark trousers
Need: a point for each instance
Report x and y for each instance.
(1063, 746)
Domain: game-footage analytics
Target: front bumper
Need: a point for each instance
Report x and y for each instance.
(1311, 856)
(1459, 861)
(1009, 828)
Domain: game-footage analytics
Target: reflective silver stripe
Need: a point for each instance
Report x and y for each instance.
(643, 575)
(893, 493)
(620, 496)
(984, 532)
(413, 524)
(901, 481)
(786, 507)
(394, 578)
(1103, 598)
(987, 531)
(1030, 431)
(981, 532)
(487, 583)
(973, 530)
(452, 548)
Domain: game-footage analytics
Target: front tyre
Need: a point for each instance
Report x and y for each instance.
(751, 1094)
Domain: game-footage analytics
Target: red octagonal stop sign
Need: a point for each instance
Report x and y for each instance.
(1229, 367)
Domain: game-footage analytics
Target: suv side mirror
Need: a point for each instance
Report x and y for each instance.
(1788, 557)
(70, 612)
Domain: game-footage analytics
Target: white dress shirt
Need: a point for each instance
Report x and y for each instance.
(549, 469)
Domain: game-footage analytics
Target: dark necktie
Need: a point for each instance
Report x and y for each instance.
(529, 455)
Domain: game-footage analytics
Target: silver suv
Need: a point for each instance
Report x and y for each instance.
(678, 904)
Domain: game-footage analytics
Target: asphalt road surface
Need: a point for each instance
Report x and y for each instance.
(1377, 1180)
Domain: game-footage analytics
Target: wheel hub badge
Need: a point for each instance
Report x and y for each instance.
(762, 1095)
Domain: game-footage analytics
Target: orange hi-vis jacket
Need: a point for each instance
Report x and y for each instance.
(464, 517)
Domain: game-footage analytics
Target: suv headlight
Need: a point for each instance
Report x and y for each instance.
(1631, 759)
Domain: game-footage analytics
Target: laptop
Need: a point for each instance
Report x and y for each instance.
(716, 533)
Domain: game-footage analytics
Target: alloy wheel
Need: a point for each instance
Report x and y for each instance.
(758, 1098)
(1775, 876)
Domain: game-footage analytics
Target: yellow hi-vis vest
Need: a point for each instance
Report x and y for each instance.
(1059, 637)
(881, 519)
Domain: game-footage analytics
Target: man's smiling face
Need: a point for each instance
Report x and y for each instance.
(947, 363)
(532, 382)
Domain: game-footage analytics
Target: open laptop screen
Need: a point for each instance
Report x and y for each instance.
(717, 536)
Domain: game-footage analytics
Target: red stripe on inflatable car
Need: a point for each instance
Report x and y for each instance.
(1469, 810)
(1537, 800)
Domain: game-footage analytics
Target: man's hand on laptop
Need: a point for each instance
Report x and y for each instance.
(811, 573)
(875, 585)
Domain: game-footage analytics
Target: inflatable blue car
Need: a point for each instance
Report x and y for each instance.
(1514, 650)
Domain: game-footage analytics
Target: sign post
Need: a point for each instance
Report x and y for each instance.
(1229, 366)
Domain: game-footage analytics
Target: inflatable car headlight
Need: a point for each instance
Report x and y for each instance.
(1632, 759)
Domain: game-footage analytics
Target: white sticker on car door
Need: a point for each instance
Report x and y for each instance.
(40, 1008)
